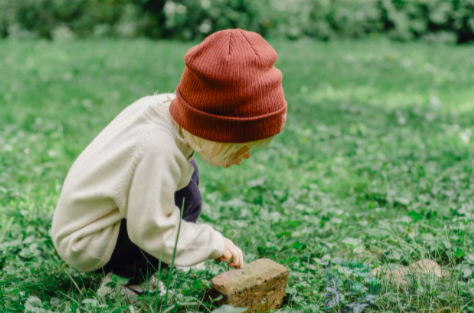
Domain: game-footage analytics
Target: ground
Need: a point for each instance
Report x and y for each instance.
(374, 166)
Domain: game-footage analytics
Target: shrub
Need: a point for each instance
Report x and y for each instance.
(430, 20)
(190, 19)
(344, 18)
(446, 20)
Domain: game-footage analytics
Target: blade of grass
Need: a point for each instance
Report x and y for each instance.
(75, 284)
(169, 309)
(2, 300)
(159, 279)
(69, 297)
(174, 255)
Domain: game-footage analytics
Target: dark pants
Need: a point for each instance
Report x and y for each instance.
(128, 260)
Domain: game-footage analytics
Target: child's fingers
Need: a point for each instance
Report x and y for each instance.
(236, 257)
(226, 256)
(231, 251)
(240, 260)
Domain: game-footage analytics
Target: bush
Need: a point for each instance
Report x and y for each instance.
(45, 18)
(430, 20)
(190, 19)
(344, 18)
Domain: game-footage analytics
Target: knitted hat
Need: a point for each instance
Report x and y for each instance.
(230, 91)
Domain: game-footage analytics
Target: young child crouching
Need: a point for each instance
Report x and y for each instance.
(119, 208)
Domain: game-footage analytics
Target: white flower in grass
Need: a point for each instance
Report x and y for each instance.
(169, 7)
(181, 9)
(205, 27)
(205, 4)
(465, 135)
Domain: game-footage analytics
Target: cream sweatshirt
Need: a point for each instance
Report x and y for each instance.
(130, 170)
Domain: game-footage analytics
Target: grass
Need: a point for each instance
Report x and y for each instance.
(374, 166)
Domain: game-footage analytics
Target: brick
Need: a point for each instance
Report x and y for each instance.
(259, 286)
(424, 266)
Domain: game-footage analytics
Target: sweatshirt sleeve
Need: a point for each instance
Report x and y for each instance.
(151, 213)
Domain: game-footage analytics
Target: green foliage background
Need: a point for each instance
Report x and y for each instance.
(447, 21)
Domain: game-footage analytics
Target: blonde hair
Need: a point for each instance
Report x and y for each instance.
(211, 151)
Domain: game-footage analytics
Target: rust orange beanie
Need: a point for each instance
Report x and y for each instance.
(230, 91)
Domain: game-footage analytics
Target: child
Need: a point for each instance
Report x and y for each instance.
(119, 207)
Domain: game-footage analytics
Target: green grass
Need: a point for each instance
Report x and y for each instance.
(378, 147)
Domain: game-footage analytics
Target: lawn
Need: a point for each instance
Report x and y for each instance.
(374, 168)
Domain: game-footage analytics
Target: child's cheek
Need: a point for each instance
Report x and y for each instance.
(208, 161)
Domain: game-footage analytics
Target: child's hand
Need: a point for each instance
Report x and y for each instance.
(231, 251)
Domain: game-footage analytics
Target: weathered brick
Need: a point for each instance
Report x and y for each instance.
(259, 286)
